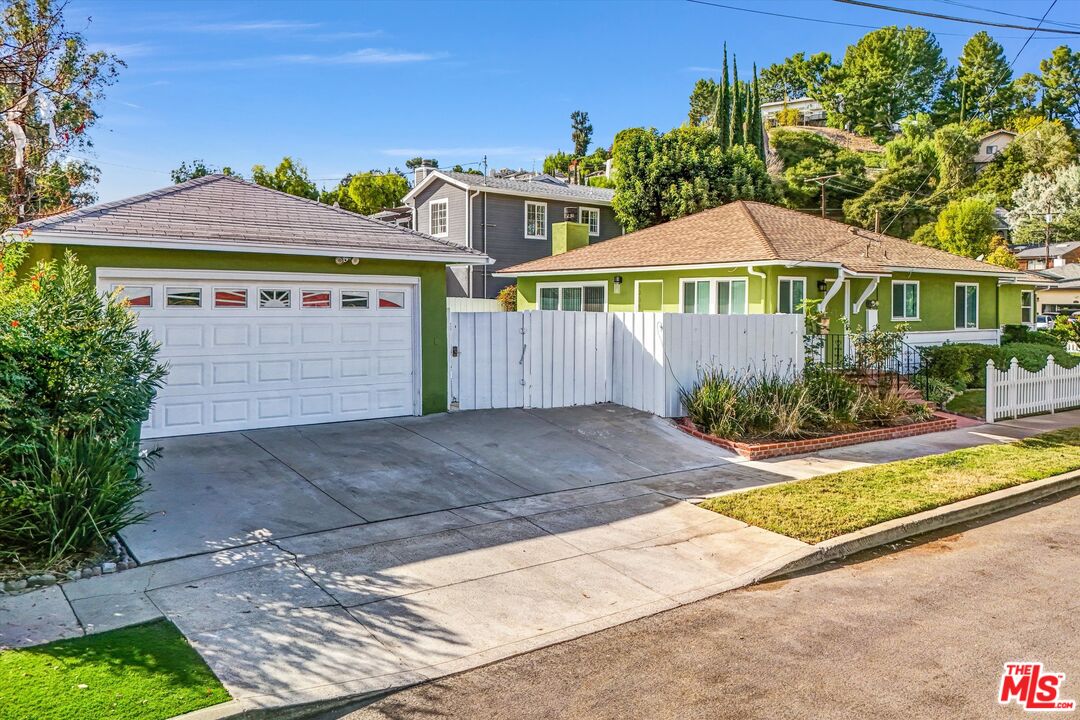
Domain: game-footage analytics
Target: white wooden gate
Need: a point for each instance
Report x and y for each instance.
(549, 358)
(1014, 391)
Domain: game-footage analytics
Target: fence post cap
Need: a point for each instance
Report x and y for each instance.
(989, 362)
(1050, 359)
(1014, 362)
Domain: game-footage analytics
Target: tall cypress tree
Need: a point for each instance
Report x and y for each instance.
(757, 130)
(738, 131)
(725, 105)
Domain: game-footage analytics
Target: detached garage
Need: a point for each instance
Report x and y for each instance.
(270, 309)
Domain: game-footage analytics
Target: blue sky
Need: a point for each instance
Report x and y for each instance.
(350, 86)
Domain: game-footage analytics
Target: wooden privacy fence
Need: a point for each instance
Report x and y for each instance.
(546, 358)
(1015, 391)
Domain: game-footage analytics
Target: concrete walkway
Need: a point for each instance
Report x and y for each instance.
(368, 604)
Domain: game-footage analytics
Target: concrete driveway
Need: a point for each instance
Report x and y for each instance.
(213, 492)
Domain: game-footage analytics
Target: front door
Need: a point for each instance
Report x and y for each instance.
(650, 296)
(871, 319)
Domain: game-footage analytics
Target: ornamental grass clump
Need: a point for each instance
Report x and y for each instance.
(776, 406)
(76, 379)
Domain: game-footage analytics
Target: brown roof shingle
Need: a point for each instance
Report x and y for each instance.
(745, 231)
(227, 211)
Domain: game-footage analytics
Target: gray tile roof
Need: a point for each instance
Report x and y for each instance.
(224, 210)
(1039, 251)
(542, 187)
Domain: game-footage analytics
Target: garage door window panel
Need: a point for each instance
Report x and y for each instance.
(391, 300)
(230, 297)
(138, 296)
(315, 298)
(275, 298)
(183, 297)
(355, 299)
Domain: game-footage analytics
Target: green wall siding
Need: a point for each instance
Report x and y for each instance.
(432, 289)
(997, 305)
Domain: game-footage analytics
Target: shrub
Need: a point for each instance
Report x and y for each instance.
(1032, 357)
(76, 379)
(1024, 334)
(960, 365)
(507, 297)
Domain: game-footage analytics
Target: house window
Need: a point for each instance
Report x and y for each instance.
(230, 297)
(536, 220)
(1036, 265)
(354, 299)
(697, 296)
(905, 300)
(991, 149)
(591, 217)
(1027, 307)
(967, 305)
(439, 218)
(314, 298)
(183, 297)
(590, 298)
(731, 297)
(142, 297)
(391, 299)
(792, 295)
(275, 298)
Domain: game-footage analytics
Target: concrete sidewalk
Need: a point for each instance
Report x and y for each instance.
(380, 604)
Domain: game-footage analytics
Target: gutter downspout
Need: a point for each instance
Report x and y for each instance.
(486, 273)
(839, 283)
(764, 288)
(469, 234)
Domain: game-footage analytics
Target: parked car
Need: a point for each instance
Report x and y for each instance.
(1044, 322)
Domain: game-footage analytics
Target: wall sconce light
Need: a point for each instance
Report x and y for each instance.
(822, 285)
(618, 283)
(343, 260)
(355, 261)
(340, 260)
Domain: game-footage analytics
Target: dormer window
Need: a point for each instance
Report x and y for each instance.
(991, 149)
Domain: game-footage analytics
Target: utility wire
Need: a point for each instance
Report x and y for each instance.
(952, 18)
(1006, 14)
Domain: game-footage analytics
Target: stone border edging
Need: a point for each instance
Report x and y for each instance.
(116, 561)
(764, 451)
(929, 520)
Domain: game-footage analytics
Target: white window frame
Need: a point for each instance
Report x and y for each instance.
(591, 210)
(918, 301)
(543, 235)
(682, 295)
(444, 203)
(966, 284)
(637, 293)
(779, 290)
(1030, 307)
(579, 285)
(729, 282)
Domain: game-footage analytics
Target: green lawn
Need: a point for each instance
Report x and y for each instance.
(143, 672)
(823, 507)
(971, 403)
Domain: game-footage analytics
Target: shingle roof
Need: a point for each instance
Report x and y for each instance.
(224, 210)
(542, 187)
(1039, 251)
(744, 231)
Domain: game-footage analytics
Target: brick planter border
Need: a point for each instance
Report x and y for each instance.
(763, 451)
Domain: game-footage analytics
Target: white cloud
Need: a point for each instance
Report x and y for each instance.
(702, 69)
(254, 26)
(124, 51)
(364, 56)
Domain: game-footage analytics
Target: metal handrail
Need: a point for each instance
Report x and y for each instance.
(838, 351)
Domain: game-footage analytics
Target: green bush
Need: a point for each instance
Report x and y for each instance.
(821, 402)
(1032, 357)
(960, 365)
(76, 379)
(1024, 334)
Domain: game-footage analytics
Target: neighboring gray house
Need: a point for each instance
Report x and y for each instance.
(511, 218)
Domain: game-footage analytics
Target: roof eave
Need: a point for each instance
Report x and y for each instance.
(162, 243)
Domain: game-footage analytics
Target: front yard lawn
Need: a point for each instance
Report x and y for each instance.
(145, 672)
(830, 505)
(971, 403)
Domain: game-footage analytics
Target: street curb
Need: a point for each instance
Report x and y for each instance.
(929, 520)
(813, 555)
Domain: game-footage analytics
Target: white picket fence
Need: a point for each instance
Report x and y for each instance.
(464, 304)
(1015, 391)
(543, 359)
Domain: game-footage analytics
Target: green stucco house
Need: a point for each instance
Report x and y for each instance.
(270, 309)
(750, 257)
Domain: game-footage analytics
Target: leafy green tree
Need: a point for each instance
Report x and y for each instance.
(1039, 194)
(888, 74)
(795, 77)
(983, 84)
(724, 98)
(704, 102)
(806, 155)
(580, 132)
(1044, 149)
(197, 169)
(966, 227)
(738, 109)
(557, 163)
(1060, 82)
(753, 112)
(954, 146)
(416, 162)
(663, 176)
(373, 191)
(289, 177)
(50, 85)
(466, 170)
(1001, 255)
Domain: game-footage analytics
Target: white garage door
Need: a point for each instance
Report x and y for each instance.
(251, 351)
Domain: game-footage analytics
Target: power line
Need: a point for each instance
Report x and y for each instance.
(1005, 14)
(952, 18)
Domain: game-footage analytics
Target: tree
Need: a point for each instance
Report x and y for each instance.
(49, 85)
(1001, 255)
(796, 77)
(416, 162)
(1043, 150)
(467, 170)
(888, 74)
(372, 191)
(954, 146)
(580, 132)
(289, 177)
(738, 103)
(984, 80)
(1060, 83)
(663, 176)
(724, 98)
(704, 102)
(753, 111)
(197, 169)
(966, 227)
(1057, 194)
